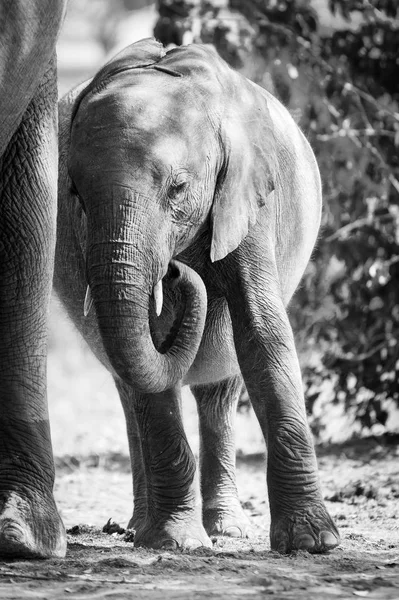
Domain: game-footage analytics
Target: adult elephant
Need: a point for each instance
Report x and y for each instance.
(182, 183)
(29, 522)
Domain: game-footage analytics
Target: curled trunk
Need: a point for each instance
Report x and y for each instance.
(121, 297)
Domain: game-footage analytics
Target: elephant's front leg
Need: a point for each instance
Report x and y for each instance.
(127, 396)
(269, 364)
(173, 518)
(29, 522)
(217, 405)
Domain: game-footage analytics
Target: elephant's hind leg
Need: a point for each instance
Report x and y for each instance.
(270, 367)
(173, 517)
(222, 511)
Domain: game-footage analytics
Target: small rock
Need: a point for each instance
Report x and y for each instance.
(129, 535)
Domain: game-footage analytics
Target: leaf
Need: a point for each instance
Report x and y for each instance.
(112, 527)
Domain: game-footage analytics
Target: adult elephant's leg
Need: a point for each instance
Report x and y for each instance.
(29, 521)
(29, 32)
(221, 508)
(174, 518)
(268, 361)
(136, 456)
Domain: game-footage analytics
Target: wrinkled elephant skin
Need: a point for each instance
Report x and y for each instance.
(29, 522)
(190, 204)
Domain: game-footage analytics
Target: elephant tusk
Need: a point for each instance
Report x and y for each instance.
(88, 302)
(158, 297)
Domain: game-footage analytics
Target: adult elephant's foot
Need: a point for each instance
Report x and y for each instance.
(310, 529)
(173, 534)
(30, 527)
(226, 517)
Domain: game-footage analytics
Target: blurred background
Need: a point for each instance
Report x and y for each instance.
(335, 65)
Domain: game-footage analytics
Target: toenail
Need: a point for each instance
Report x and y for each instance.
(328, 539)
(233, 531)
(193, 544)
(306, 542)
(169, 545)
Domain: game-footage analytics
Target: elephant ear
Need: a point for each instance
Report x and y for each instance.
(249, 166)
(141, 54)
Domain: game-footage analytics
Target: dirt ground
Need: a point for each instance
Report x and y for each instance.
(361, 486)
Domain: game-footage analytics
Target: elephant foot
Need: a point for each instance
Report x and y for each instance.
(174, 534)
(311, 529)
(138, 519)
(228, 519)
(30, 528)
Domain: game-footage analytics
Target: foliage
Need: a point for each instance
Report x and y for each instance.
(342, 82)
(104, 17)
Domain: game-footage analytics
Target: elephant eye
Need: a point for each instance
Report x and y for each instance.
(177, 189)
(180, 202)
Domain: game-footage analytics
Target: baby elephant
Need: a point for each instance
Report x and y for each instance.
(189, 206)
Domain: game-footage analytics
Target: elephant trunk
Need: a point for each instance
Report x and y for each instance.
(121, 287)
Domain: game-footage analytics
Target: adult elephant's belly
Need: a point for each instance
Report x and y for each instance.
(216, 358)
